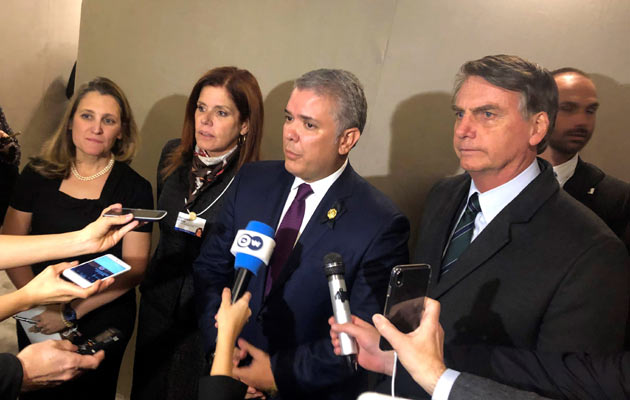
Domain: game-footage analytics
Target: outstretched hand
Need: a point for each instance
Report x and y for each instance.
(421, 352)
(48, 287)
(105, 232)
(51, 362)
(370, 356)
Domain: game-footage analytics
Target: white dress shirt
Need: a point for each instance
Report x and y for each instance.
(495, 200)
(319, 188)
(565, 171)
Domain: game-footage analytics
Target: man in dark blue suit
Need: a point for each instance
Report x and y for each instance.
(287, 336)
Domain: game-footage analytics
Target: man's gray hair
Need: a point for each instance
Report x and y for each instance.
(345, 89)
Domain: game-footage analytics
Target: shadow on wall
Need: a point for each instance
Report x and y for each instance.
(163, 122)
(275, 103)
(44, 120)
(610, 145)
(421, 152)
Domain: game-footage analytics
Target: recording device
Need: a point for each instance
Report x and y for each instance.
(138, 213)
(252, 248)
(91, 271)
(334, 270)
(100, 342)
(408, 286)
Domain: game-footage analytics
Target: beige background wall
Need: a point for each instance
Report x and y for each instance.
(405, 52)
(38, 46)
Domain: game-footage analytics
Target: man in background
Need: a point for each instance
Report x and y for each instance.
(608, 197)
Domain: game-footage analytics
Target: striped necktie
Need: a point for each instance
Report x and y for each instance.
(462, 234)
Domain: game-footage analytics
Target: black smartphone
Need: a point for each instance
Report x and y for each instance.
(100, 342)
(408, 285)
(138, 213)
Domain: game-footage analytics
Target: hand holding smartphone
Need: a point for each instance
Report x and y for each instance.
(99, 268)
(408, 286)
(138, 213)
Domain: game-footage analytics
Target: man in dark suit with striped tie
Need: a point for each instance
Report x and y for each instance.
(516, 261)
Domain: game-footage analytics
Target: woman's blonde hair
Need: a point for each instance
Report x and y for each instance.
(59, 152)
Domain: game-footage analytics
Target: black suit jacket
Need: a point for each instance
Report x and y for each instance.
(608, 197)
(290, 323)
(11, 376)
(541, 275)
(220, 387)
(555, 375)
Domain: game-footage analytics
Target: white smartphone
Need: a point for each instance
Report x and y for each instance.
(91, 271)
(138, 213)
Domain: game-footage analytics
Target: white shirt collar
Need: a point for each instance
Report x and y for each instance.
(495, 200)
(565, 171)
(320, 187)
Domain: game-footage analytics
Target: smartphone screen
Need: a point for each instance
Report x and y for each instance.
(138, 213)
(102, 267)
(407, 289)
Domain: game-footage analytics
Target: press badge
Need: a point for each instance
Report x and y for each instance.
(190, 226)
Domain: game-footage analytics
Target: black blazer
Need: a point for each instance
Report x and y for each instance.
(608, 197)
(541, 275)
(11, 376)
(555, 375)
(545, 266)
(220, 387)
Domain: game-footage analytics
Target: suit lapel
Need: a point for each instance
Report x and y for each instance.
(497, 234)
(270, 214)
(583, 183)
(317, 226)
(435, 236)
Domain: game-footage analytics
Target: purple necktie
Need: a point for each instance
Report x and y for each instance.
(287, 233)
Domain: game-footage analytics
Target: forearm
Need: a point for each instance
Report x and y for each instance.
(12, 303)
(223, 355)
(16, 250)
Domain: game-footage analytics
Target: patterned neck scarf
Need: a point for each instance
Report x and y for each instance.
(205, 169)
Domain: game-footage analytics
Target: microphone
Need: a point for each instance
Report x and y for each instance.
(334, 270)
(252, 247)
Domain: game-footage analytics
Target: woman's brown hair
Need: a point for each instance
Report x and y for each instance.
(244, 91)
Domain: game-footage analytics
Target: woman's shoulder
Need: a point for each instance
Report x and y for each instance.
(29, 172)
(171, 145)
(130, 175)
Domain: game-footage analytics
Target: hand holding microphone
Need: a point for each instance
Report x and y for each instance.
(252, 249)
(334, 270)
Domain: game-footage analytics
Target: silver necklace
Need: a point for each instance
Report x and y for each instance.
(100, 173)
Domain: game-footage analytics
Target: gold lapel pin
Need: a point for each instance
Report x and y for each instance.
(331, 214)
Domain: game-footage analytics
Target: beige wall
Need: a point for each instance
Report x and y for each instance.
(405, 52)
(38, 43)
(38, 46)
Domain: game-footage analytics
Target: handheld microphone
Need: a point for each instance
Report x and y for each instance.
(252, 247)
(334, 270)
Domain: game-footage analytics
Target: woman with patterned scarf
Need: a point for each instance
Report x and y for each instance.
(222, 131)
